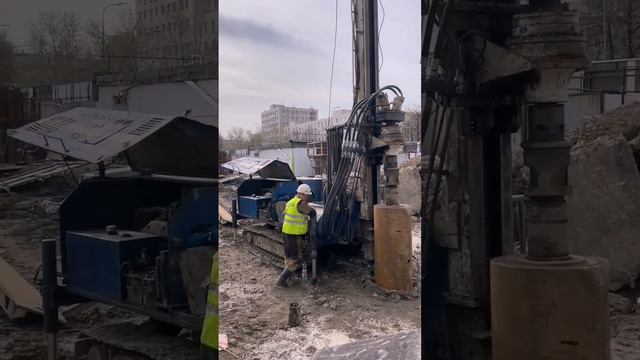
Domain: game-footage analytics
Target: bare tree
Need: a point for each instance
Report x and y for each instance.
(93, 33)
(121, 46)
(57, 34)
(6, 59)
(254, 138)
(612, 27)
(411, 124)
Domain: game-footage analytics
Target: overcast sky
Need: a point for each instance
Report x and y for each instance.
(280, 51)
(19, 13)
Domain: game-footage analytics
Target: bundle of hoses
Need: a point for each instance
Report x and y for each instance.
(346, 148)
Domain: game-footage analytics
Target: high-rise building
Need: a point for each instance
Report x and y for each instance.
(185, 29)
(279, 118)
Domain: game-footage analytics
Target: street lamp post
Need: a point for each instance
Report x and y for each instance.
(103, 10)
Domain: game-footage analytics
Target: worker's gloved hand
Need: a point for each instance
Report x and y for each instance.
(312, 213)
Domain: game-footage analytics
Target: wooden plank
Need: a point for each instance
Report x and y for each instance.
(18, 296)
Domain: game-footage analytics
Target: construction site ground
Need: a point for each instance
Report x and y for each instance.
(342, 307)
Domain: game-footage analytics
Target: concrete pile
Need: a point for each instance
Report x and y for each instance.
(604, 201)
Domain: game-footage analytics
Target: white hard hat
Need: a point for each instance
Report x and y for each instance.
(304, 189)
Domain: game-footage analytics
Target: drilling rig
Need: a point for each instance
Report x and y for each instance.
(491, 68)
(362, 174)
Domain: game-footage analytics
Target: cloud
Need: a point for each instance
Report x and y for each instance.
(262, 34)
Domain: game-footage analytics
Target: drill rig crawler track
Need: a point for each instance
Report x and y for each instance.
(267, 243)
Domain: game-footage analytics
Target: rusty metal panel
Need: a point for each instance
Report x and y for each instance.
(266, 168)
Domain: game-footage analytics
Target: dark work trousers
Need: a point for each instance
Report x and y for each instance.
(294, 247)
(208, 353)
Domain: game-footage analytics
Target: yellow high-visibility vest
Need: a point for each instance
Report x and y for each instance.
(209, 336)
(295, 223)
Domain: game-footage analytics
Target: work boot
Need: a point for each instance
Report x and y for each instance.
(284, 276)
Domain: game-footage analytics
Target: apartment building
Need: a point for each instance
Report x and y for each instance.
(185, 29)
(317, 130)
(277, 120)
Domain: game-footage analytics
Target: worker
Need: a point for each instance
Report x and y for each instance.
(295, 228)
(209, 335)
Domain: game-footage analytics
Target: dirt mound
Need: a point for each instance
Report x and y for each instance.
(624, 121)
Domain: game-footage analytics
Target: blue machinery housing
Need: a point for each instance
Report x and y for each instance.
(264, 200)
(136, 267)
(143, 242)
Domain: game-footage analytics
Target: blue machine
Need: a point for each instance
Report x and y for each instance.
(137, 261)
(264, 198)
(106, 254)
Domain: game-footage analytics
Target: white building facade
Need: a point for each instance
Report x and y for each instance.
(178, 28)
(317, 130)
(279, 118)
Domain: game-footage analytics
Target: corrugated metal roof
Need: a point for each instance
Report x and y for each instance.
(88, 134)
(155, 144)
(266, 168)
(37, 173)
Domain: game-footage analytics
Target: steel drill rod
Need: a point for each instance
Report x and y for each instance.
(49, 303)
(234, 218)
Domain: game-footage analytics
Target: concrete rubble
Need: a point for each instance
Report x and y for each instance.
(409, 189)
(604, 201)
(625, 326)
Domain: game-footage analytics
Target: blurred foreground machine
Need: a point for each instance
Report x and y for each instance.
(141, 242)
(489, 69)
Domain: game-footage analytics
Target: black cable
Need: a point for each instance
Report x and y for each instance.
(349, 142)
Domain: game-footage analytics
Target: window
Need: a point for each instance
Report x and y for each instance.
(205, 27)
(162, 9)
(175, 7)
(186, 4)
(156, 11)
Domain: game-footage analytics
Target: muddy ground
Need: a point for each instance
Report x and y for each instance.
(343, 306)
